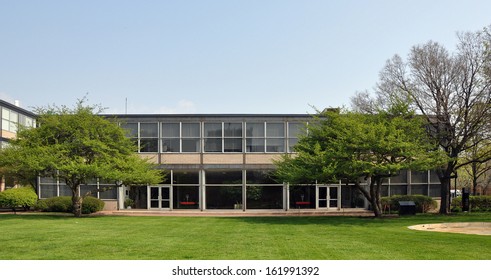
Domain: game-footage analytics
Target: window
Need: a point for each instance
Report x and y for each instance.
(131, 131)
(213, 137)
(10, 120)
(171, 138)
(295, 129)
(275, 137)
(232, 137)
(191, 138)
(255, 137)
(419, 177)
(149, 138)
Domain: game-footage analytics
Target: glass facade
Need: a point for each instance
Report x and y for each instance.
(51, 187)
(243, 183)
(11, 119)
(215, 137)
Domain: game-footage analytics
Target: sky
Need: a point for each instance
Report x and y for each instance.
(214, 56)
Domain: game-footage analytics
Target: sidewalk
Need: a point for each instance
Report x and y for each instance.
(356, 212)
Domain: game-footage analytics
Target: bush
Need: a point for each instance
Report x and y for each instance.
(64, 204)
(477, 203)
(423, 203)
(24, 197)
(92, 205)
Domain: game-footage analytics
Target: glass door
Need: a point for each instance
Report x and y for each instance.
(323, 191)
(333, 197)
(159, 197)
(328, 197)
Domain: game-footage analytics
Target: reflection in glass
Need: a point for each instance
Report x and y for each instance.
(224, 197)
(185, 197)
(264, 197)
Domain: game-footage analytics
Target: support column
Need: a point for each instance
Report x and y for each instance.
(244, 190)
(202, 188)
(286, 190)
(339, 195)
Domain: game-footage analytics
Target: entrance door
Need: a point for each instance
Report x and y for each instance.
(160, 197)
(328, 197)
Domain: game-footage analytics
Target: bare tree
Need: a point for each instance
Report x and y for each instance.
(453, 92)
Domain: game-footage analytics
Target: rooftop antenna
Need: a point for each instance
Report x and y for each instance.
(126, 106)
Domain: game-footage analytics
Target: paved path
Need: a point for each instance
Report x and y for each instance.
(239, 213)
(480, 228)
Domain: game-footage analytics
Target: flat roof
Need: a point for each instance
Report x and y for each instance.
(207, 115)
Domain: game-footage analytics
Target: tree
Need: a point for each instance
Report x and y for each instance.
(76, 145)
(453, 93)
(354, 147)
(476, 170)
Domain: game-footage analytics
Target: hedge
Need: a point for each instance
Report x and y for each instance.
(24, 197)
(423, 203)
(64, 204)
(476, 203)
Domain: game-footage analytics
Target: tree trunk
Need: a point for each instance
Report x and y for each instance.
(373, 197)
(444, 194)
(77, 201)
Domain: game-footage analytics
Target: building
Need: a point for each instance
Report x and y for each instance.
(225, 162)
(12, 118)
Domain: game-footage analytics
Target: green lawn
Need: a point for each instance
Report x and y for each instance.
(244, 238)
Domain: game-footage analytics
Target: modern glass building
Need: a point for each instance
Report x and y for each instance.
(220, 162)
(226, 162)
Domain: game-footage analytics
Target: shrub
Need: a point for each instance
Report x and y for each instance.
(41, 205)
(64, 204)
(92, 205)
(24, 197)
(456, 209)
(476, 203)
(423, 203)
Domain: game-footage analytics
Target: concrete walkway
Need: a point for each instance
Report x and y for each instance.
(356, 212)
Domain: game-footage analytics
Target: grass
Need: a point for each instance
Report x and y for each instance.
(35, 237)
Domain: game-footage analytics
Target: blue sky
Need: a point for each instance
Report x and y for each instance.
(220, 56)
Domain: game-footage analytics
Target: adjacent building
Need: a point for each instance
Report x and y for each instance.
(12, 118)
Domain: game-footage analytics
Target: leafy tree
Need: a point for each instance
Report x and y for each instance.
(76, 145)
(453, 93)
(357, 147)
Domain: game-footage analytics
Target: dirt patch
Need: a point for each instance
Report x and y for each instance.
(480, 228)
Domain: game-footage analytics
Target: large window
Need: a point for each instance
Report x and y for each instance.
(213, 137)
(131, 130)
(171, 138)
(295, 129)
(191, 137)
(185, 189)
(10, 120)
(255, 137)
(149, 141)
(232, 138)
(275, 137)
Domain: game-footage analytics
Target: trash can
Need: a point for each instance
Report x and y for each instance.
(407, 208)
(465, 199)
